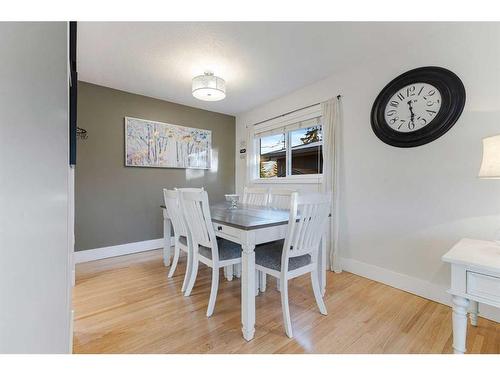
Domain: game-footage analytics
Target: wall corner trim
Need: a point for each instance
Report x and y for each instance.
(117, 250)
(419, 287)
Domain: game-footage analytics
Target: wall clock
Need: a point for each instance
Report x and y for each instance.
(418, 107)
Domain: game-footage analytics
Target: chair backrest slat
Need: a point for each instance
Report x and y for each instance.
(307, 223)
(280, 198)
(198, 220)
(195, 190)
(256, 196)
(172, 203)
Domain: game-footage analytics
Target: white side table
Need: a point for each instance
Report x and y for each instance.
(475, 278)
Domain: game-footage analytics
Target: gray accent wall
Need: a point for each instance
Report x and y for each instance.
(116, 204)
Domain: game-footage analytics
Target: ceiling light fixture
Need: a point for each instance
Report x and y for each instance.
(209, 87)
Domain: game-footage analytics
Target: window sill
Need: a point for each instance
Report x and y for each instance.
(311, 179)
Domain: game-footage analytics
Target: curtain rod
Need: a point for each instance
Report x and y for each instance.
(288, 113)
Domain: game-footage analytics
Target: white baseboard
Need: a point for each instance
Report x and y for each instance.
(117, 250)
(410, 284)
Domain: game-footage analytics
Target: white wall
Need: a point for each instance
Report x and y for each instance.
(34, 256)
(402, 209)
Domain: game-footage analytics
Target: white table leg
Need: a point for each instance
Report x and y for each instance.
(248, 290)
(460, 305)
(262, 282)
(257, 276)
(237, 270)
(474, 309)
(166, 239)
(322, 265)
(228, 272)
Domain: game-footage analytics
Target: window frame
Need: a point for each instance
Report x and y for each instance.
(302, 115)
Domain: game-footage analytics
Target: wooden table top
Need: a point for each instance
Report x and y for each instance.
(247, 217)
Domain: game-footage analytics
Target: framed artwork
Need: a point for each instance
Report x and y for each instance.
(161, 145)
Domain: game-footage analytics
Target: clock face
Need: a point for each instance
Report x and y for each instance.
(413, 107)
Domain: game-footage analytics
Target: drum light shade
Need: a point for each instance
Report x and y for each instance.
(209, 87)
(490, 166)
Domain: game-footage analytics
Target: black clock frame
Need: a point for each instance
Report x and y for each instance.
(452, 93)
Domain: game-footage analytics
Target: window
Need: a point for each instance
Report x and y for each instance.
(306, 151)
(296, 150)
(272, 156)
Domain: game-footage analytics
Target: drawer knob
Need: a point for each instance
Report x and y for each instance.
(219, 228)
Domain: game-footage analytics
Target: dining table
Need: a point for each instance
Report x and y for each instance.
(248, 226)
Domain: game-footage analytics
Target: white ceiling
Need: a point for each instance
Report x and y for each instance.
(260, 61)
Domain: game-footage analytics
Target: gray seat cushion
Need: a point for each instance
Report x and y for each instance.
(227, 249)
(269, 255)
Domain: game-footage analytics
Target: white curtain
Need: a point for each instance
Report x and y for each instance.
(251, 162)
(332, 123)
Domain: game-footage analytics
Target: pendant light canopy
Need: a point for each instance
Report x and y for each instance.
(209, 87)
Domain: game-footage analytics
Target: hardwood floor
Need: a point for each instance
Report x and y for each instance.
(127, 305)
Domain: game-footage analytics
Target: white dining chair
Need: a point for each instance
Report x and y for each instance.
(281, 199)
(182, 240)
(297, 254)
(255, 196)
(228, 271)
(207, 248)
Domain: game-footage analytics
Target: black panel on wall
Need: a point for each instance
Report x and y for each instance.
(72, 93)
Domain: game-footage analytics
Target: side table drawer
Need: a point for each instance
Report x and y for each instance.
(483, 286)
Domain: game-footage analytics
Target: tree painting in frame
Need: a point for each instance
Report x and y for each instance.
(162, 145)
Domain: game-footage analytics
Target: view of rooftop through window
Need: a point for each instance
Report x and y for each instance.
(273, 156)
(305, 153)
